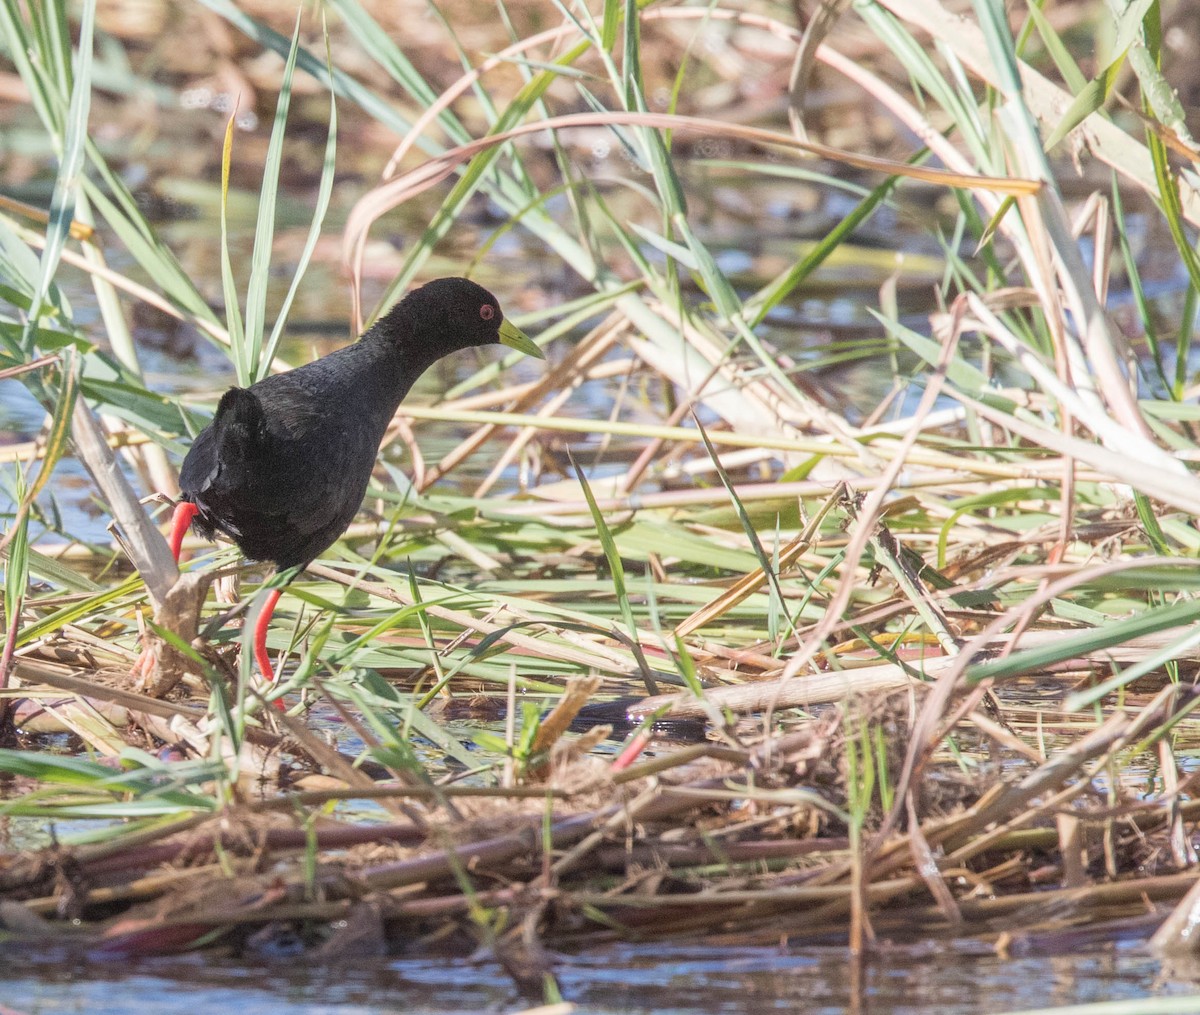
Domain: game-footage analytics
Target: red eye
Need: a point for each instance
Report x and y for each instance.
(487, 311)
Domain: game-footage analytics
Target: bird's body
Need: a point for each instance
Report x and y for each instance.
(284, 465)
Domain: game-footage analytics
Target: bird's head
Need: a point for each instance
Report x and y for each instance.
(449, 314)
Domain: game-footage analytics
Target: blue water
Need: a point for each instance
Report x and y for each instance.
(671, 980)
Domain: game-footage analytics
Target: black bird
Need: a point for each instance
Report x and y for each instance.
(284, 465)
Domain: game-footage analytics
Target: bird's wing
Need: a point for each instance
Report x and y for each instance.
(200, 465)
(237, 434)
(291, 405)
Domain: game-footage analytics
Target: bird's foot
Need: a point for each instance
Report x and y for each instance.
(143, 665)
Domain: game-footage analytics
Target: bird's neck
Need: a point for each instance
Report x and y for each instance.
(396, 366)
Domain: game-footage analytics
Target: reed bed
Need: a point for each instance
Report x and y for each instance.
(920, 668)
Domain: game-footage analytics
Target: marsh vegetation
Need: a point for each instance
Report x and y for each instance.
(833, 583)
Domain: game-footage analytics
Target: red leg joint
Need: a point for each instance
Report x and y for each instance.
(185, 511)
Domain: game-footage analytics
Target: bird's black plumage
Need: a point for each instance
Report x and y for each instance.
(283, 467)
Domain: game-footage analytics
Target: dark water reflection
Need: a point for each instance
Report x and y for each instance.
(625, 979)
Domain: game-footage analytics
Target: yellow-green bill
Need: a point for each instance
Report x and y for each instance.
(515, 338)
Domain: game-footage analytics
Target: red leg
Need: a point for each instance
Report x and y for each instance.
(260, 634)
(185, 511)
(260, 640)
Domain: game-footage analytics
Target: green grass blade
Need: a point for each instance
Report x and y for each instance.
(264, 231)
(21, 49)
(146, 249)
(611, 24)
(474, 176)
(1114, 633)
(778, 289)
(16, 577)
(324, 193)
(379, 44)
(1091, 97)
(1067, 67)
(58, 438)
(66, 183)
(748, 526)
(341, 83)
(611, 554)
